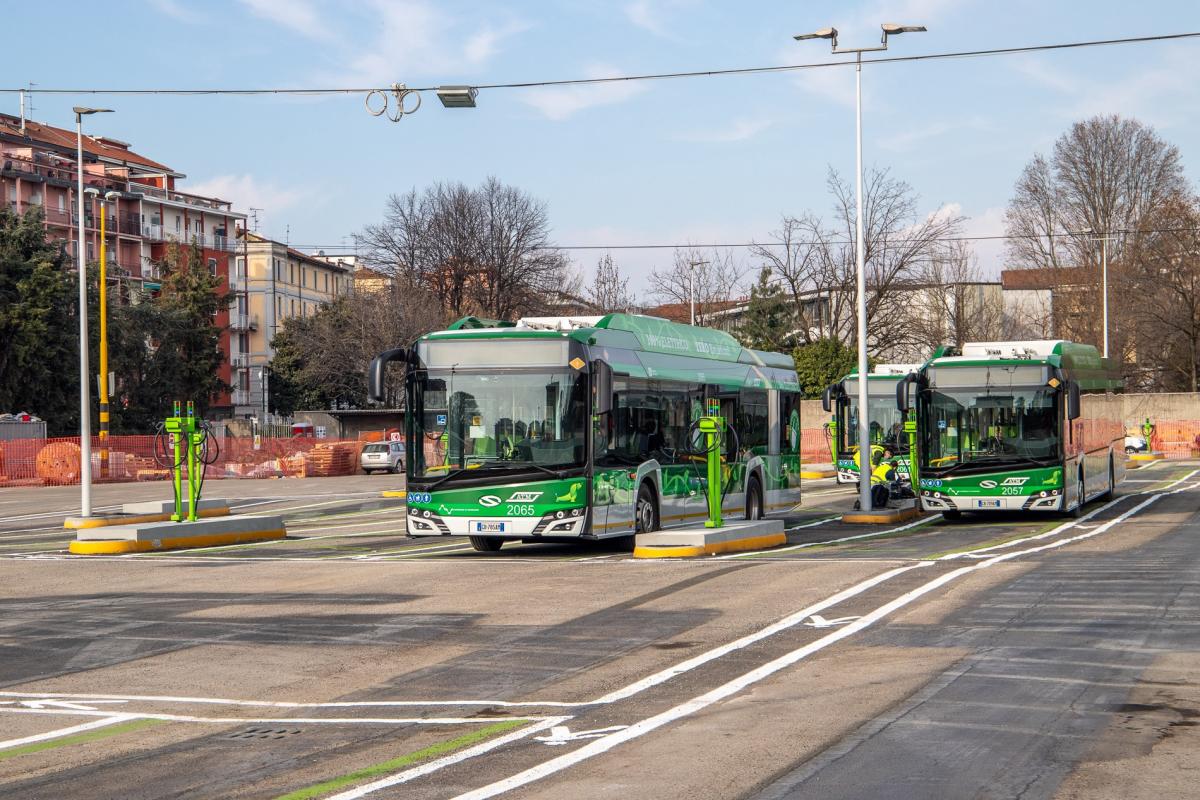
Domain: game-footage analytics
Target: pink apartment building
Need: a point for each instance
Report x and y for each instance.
(38, 168)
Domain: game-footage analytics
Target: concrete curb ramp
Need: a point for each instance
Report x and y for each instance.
(882, 516)
(393, 493)
(1147, 456)
(817, 474)
(695, 542)
(139, 513)
(139, 538)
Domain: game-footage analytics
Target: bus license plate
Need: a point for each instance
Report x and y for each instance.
(487, 527)
(987, 503)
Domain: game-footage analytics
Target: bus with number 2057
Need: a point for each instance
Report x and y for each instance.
(567, 429)
(1019, 426)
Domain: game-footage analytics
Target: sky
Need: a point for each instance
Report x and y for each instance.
(687, 161)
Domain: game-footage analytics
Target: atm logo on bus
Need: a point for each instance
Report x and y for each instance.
(524, 497)
(990, 484)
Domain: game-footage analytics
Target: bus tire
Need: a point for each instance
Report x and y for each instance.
(486, 544)
(1111, 492)
(754, 499)
(645, 511)
(1080, 498)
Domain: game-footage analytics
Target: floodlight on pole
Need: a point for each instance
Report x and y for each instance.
(864, 431)
(85, 411)
(692, 288)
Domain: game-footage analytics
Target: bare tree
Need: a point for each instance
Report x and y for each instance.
(1163, 297)
(716, 276)
(815, 260)
(483, 250)
(954, 304)
(1107, 174)
(609, 291)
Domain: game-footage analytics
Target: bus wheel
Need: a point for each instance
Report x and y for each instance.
(645, 513)
(486, 544)
(754, 499)
(1077, 511)
(1112, 481)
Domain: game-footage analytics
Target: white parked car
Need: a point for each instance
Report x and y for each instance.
(1135, 444)
(388, 456)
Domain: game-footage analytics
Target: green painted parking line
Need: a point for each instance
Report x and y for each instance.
(79, 738)
(385, 767)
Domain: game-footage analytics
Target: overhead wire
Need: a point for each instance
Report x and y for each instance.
(999, 51)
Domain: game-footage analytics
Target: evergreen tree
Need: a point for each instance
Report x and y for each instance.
(765, 326)
(822, 363)
(38, 348)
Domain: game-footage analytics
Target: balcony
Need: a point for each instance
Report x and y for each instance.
(243, 322)
(241, 397)
(239, 361)
(157, 233)
(155, 192)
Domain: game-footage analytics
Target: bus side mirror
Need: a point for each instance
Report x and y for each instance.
(827, 400)
(903, 403)
(602, 383)
(1072, 400)
(378, 369)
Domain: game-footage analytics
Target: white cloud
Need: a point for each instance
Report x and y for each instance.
(989, 252)
(484, 44)
(177, 11)
(739, 130)
(906, 139)
(246, 192)
(297, 15)
(560, 102)
(649, 15)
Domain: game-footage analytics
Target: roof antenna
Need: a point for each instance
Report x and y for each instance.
(254, 217)
(23, 113)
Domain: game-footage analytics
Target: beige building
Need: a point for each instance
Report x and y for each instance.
(278, 283)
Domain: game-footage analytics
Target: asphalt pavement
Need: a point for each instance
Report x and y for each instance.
(995, 656)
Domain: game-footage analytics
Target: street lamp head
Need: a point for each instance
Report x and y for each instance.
(892, 29)
(81, 111)
(91, 191)
(112, 197)
(824, 33)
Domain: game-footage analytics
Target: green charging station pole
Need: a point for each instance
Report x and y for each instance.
(910, 427)
(713, 428)
(186, 438)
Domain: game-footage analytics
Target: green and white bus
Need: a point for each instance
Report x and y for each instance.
(584, 428)
(885, 420)
(1020, 426)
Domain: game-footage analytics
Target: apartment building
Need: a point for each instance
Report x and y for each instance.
(277, 283)
(148, 213)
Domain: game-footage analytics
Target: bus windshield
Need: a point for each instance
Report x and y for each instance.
(497, 420)
(886, 424)
(964, 427)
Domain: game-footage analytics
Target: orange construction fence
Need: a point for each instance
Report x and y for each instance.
(52, 462)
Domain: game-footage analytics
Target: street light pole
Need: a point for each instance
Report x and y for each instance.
(1103, 238)
(864, 423)
(692, 288)
(85, 411)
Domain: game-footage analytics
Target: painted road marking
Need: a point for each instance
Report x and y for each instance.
(446, 761)
(56, 734)
(820, 622)
(696, 704)
(273, 720)
(561, 734)
(873, 534)
(58, 704)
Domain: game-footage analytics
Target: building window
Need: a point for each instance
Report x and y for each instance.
(178, 224)
(62, 199)
(244, 343)
(91, 251)
(240, 267)
(212, 266)
(293, 307)
(291, 273)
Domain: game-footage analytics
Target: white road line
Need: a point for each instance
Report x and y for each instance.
(787, 622)
(289, 703)
(124, 715)
(57, 734)
(446, 761)
(1066, 525)
(873, 534)
(638, 729)
(812, 524)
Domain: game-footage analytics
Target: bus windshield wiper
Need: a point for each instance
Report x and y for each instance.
(454, 473)
(523, 464)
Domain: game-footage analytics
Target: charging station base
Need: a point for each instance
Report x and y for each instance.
(153, 511)
(690, 542)
(152, 536)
